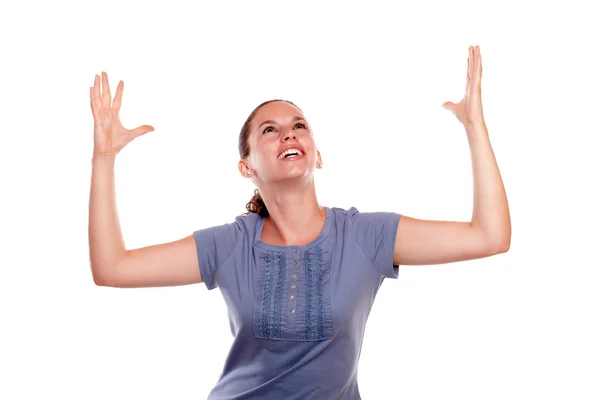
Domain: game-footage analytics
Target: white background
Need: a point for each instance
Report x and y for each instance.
(371, 79)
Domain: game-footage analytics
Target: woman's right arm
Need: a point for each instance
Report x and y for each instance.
(167, 264)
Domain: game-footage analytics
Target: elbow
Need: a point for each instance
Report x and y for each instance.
(503, 242)
(503, 248)
(101, 276)
(499, 246)
(106, 273)
(495, 239)
(100, 282)
(99, 279)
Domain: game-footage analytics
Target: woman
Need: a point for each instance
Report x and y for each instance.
(299, 278)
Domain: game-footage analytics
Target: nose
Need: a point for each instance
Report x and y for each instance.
(288, 135)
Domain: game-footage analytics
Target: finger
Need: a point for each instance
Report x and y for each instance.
(468, 78)
(118, 96)
(92, 101)
(473, 62)
(479, 67)
(92, 104)
(470, 62)
(475, 65)
(105, 90)
(448, 105)
(97, 100)
(140, 130)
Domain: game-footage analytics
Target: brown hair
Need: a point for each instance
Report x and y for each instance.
(256, 203)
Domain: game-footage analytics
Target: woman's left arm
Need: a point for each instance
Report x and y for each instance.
(424, 242)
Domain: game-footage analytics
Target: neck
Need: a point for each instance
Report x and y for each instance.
(295, 216)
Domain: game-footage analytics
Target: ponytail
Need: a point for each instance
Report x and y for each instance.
(257, 205)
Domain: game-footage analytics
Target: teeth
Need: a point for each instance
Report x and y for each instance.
(290, 151)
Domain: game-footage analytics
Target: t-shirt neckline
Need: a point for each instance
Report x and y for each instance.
(290, 249)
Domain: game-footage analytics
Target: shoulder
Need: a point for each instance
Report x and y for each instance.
(240, 224)
(223, 238)
(216, 244)
(356, 220)
(375, 234)
(247, 222)
(342, 215)
(370, 230)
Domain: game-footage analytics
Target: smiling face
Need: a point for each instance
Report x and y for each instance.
(281, 144)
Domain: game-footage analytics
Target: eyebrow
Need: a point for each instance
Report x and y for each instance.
(296, 118)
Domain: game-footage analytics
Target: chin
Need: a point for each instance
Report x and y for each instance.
(296, 172)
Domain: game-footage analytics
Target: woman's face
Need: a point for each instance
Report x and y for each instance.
(281, 144)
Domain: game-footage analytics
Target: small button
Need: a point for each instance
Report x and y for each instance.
(295, 250)
(294, 276)
(292, 311)
(292, 297)
(293, 286)
(294, 262)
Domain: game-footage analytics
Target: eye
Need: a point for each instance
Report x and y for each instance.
(266, 130)
(301, 124)
(268, 127)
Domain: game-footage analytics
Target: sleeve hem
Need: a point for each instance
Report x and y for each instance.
(203, 265)
(385, 264)
(391, 269)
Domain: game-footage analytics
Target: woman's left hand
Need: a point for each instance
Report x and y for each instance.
(469, 110)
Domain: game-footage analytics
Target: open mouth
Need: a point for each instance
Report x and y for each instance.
(292, 153)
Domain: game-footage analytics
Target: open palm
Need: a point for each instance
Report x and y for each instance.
(110, 136)
(469, 110)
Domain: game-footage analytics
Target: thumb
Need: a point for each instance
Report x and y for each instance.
(140, 130)
(449, 105)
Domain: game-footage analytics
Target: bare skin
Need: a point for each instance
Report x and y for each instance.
(167, 264)
(296, 218)
(288, 190)
(287, 185)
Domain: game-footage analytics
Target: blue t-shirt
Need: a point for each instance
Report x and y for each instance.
(297, 313)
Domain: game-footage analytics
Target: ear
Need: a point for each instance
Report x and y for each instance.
(319, 159)
(245, 171)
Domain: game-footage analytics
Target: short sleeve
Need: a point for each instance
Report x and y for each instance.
(375, 233)
(214, 245)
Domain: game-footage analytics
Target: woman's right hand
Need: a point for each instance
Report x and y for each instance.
(109, 134)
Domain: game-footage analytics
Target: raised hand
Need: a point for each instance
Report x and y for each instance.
(469, 111)
(109, 134)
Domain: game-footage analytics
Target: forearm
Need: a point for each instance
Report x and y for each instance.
(106, 243)
(490, 206)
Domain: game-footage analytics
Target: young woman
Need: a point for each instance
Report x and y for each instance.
(299, 278)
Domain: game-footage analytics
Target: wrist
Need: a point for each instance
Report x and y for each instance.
(103, 157)
(477, 129)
